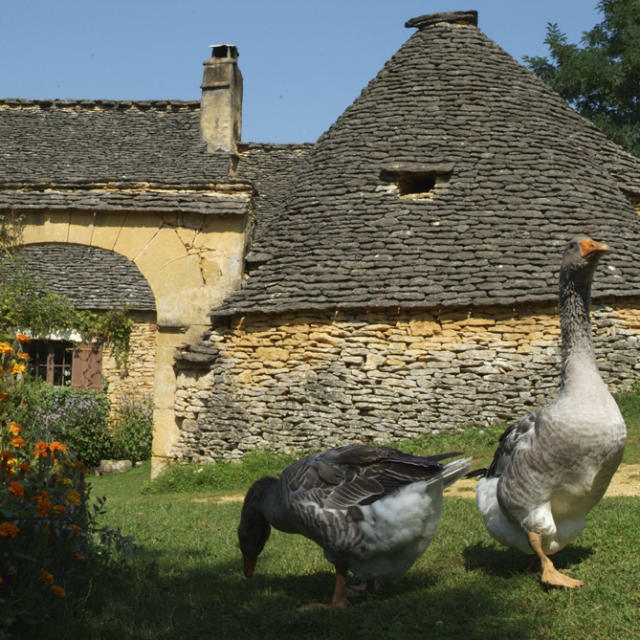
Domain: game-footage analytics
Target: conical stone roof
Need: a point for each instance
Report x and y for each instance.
(505, 172)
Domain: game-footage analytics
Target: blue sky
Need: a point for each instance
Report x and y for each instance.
(303, 62)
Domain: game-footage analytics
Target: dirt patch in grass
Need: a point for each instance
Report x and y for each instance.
(625, 482)
(231, 497)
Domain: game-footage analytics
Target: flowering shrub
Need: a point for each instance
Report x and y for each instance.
(49, 541)
(77, 417)
(133, 428)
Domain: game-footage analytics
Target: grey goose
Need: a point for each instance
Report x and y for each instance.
(373, 510)
(553, 465)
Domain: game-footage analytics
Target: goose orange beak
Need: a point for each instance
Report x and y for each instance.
(249, 566)
(592, 249)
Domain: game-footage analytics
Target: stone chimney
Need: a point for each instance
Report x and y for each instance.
(221, 102)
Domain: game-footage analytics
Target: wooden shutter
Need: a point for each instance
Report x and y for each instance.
(86, 368)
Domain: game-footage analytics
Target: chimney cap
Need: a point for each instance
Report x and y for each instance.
(224, 51)
(453, 17)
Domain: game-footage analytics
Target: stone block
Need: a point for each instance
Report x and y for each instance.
(136, 232)
(106, 230)
(81, 227)
(113, 466)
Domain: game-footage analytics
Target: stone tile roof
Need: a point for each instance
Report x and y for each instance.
(91, 277)
(75, 142)
(268, 168)
(509, 172)
(116, 155)
(126, 155)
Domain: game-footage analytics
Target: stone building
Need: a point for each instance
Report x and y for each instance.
(97, 280)
(394, 278)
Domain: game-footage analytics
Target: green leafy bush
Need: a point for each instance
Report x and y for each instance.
(133, 428)
(76, 417)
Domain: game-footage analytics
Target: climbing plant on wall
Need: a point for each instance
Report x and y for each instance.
(26, 304)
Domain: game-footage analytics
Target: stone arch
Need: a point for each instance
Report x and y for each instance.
(191, 262)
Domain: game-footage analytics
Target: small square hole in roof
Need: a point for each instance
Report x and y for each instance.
(416, 180)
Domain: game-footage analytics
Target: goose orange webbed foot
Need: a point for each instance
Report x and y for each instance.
(551, 577)
(314, 606)
(339, 600)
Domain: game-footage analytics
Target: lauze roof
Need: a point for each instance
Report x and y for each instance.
(454, 179)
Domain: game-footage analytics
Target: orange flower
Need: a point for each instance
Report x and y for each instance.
(73, 497)
(16, 489)
(5, 348)
(43, 504)
(79, 556)
(23, 338)
(58, 446)
(18, 368)
(23, 356)
(41, 449)
(46, 577)
(18, 442)
(9, 461)
(58, 509)
(59, 592)
(4, 396)
(14, 429)
(8, 530)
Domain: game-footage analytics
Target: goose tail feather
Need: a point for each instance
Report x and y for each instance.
(452, 471)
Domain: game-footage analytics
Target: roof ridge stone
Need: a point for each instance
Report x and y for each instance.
(452, 17)
(102, 103)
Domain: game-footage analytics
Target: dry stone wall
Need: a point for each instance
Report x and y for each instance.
(298, 381)
(134, 378)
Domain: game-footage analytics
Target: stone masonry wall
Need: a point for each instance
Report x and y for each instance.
(296, 382)
(135, 379)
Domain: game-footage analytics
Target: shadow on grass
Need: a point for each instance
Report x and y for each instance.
(504, 562)
(217, 601)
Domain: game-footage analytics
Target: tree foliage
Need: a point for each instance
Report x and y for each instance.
(601, 78)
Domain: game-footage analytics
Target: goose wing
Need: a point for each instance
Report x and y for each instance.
(355, 475)
(517, 434)
(324, 490)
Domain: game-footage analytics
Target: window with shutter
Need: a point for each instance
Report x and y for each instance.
(86, 371)
(63, 363)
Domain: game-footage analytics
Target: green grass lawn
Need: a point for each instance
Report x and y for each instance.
(187, 580)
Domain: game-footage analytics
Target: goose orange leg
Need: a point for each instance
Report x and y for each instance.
(550, 575)
(339, 599)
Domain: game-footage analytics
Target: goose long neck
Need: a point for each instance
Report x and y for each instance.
(275, 507)
(575, 324)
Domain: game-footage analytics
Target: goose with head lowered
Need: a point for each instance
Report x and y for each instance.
(552, 466)
(373, 510)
